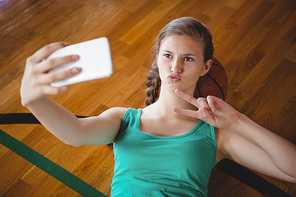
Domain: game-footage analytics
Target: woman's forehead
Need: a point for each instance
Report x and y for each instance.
(181, 44)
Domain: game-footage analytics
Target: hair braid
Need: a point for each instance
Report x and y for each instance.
(153, 84)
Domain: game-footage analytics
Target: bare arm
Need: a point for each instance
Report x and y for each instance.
(58, 120)
(245, 141)
(280, 151)
(246, 153)
(71, 130)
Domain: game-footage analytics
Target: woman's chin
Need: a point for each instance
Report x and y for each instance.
(171, 87)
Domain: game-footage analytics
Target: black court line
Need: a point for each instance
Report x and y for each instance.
(227, 166)
(21, 118)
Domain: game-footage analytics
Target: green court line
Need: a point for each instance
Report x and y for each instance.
(48, 166)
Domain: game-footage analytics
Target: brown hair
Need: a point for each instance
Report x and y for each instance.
(181, 26)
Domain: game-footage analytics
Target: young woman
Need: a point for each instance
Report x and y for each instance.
(170, 147)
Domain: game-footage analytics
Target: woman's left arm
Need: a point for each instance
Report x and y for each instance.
(281, 152)
(250, 143)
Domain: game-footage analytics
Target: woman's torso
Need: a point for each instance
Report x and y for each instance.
(180, 162)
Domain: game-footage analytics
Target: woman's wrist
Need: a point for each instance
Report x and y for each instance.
(29, 103)
(240, 124)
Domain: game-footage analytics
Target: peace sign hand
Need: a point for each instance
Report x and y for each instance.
(212, 110)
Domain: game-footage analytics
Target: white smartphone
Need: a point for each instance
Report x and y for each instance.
(95, 61)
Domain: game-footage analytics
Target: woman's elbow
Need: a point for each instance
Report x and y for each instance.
(294, 180)
(73, 144)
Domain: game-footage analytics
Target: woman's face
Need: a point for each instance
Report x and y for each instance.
(180, 61)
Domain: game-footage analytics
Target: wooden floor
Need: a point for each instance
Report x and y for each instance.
(255, 40)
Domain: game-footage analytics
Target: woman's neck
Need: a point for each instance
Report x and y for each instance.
(167, 100)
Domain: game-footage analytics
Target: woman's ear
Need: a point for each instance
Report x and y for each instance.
(206, 67)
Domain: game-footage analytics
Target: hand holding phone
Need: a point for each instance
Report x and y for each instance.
(94, 60)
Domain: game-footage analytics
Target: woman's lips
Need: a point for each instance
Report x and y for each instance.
(174, 78)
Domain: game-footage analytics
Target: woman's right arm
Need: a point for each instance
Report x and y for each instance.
(59, 121)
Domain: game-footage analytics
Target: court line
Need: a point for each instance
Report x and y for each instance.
(21, 118)
(48, 166)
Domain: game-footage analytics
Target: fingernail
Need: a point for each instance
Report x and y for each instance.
(75, 70)
(203, 110)
(74, 57)
(65, 44)
(64, 88)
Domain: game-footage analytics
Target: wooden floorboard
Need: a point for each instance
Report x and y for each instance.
(255, 40)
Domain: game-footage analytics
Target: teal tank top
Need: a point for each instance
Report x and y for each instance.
(150, 165)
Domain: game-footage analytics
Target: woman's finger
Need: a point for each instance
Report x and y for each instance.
(211, 101)
(48, 65)
(187, 98)
(194, 114)
(202, 114)
(58, 76)
(49, 90)
(207, 116)
(45, 52)
(203, 103)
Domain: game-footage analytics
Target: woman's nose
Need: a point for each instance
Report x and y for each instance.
(177, 67)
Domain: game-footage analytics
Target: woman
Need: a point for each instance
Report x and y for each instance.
(170, 147)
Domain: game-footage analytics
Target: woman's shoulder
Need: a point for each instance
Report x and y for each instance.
(117, 111)
(123, 112)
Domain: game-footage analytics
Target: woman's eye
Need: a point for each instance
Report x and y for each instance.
(188, 59)
(168, 55)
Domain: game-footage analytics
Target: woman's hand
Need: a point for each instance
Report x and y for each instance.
(212, 110)
(36, 80)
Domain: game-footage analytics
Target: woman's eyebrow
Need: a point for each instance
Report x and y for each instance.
(187, 54)
(167, 51)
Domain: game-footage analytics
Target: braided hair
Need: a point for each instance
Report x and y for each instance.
(182, 26)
